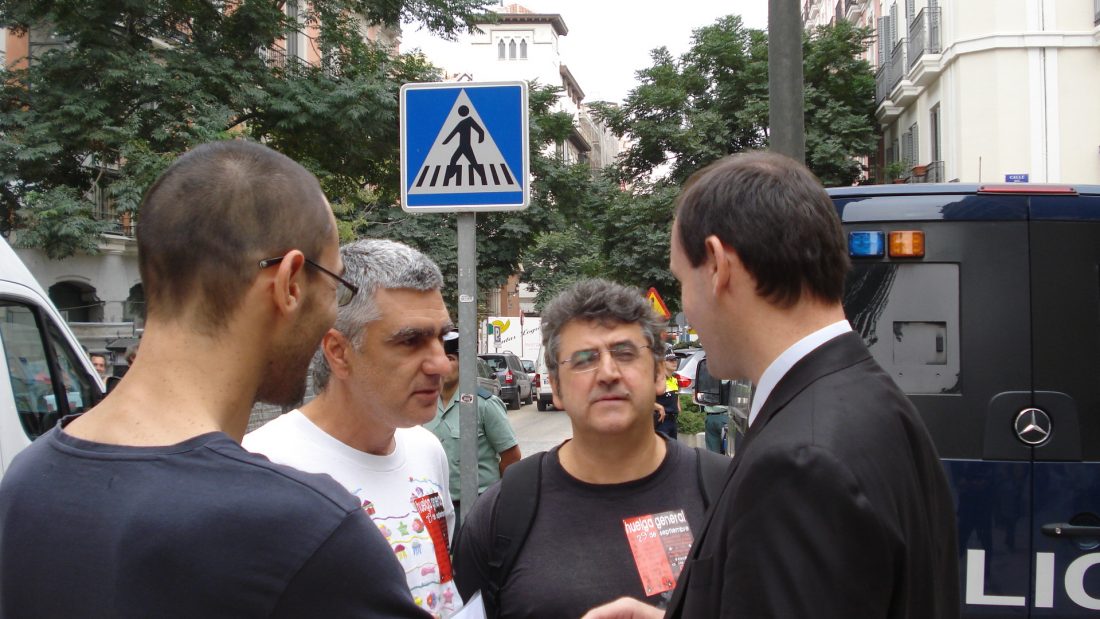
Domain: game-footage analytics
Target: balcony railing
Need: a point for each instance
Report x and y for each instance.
(898, 66)
(924, 34)
(851, 9)
(276, 56)
(882, 83)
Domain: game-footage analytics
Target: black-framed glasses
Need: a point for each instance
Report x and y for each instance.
(624, 353)
(345, 290)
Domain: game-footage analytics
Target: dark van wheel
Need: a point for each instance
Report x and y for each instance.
(543, 404)
(513, 404)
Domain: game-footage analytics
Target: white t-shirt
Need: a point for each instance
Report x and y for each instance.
(405, 493)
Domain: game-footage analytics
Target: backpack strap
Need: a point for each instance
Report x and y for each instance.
(713, 469)
(513, 514)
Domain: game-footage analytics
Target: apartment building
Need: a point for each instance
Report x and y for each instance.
(982, 90)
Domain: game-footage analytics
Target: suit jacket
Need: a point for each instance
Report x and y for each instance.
(836, 505)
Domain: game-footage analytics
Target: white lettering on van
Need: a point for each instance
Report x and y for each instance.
(1045, 577)
(975, 583)
(1075, 581)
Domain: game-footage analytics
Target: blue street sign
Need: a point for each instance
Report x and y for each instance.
(1015, 178)
(464, 147)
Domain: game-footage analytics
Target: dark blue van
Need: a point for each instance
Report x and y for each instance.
(983, 302)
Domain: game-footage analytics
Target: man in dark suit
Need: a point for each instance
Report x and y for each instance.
(836, 504)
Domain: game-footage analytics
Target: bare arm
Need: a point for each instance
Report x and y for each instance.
(508, 457)
(624, 608)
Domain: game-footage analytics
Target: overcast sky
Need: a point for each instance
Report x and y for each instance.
(609, 40)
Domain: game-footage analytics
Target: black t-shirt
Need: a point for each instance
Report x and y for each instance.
(577, 554)
(198, 529)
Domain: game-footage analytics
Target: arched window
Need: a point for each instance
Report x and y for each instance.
(134, 310)
(77, 302)
(512, 49)
(500, 50)
(523, 49)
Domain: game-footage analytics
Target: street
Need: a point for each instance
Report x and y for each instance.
(539, 431)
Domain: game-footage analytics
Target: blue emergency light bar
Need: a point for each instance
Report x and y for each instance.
(866, 244)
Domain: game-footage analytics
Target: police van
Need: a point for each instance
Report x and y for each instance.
(48, 374)
(983, 303)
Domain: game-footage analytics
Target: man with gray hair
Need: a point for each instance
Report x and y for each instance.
(618, 504)
(378, 373)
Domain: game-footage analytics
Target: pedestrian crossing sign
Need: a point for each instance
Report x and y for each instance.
(464, 147)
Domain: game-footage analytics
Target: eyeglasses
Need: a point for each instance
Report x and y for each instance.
(624, 353)
(345, 290)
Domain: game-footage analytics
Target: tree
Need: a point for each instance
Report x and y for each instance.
(713, 101)
(687, 112)
(125, 86)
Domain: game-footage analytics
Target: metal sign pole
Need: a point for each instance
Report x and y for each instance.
(467, 364)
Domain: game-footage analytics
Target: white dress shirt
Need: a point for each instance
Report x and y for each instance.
(784, 362)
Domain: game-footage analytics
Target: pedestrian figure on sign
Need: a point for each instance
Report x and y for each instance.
(464, 130)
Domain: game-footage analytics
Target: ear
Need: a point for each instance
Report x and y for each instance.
(287, 290)
(337, 350)
(556, 384)
(722, 262)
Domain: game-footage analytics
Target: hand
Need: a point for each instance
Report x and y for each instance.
(625, 608)
(660, 410)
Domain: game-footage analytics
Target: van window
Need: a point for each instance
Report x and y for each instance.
(912, 332)
(36, 383)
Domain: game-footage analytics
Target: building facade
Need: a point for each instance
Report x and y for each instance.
(982, 90)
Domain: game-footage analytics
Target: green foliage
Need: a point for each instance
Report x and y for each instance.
(713, 101)
(691, 422)
(685, 113)
(132, 84)
(58, 220)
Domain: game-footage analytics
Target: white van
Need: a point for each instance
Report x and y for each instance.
(48, 374)
(545, 398)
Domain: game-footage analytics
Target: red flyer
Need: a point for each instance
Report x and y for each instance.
(660, 544)
(431, 512)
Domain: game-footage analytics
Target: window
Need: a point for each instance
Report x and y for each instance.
(39, 375)
(512, 46)
(934, 122)
(914, 335)
(913, 156)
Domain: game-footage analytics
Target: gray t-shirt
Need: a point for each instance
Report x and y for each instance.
(578, 554)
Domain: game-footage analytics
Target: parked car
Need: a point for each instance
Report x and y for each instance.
(485, 378)
(516, 385)
(685, 373)
(544, 388)
(48, 374)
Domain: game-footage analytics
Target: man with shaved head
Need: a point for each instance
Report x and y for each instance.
(147, 505)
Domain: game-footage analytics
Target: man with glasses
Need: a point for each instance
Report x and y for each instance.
(378, 374)
(618, 504)
(147, 505)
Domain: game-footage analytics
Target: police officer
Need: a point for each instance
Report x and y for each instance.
(497, 446)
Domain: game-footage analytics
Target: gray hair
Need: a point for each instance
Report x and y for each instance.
(602, 302)
(373, 264)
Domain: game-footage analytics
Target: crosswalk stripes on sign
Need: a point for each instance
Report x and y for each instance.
(464, 158)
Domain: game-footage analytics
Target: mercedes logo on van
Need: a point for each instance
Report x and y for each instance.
(1032, 426)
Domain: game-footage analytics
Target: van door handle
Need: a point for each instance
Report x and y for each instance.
(1064, 529)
